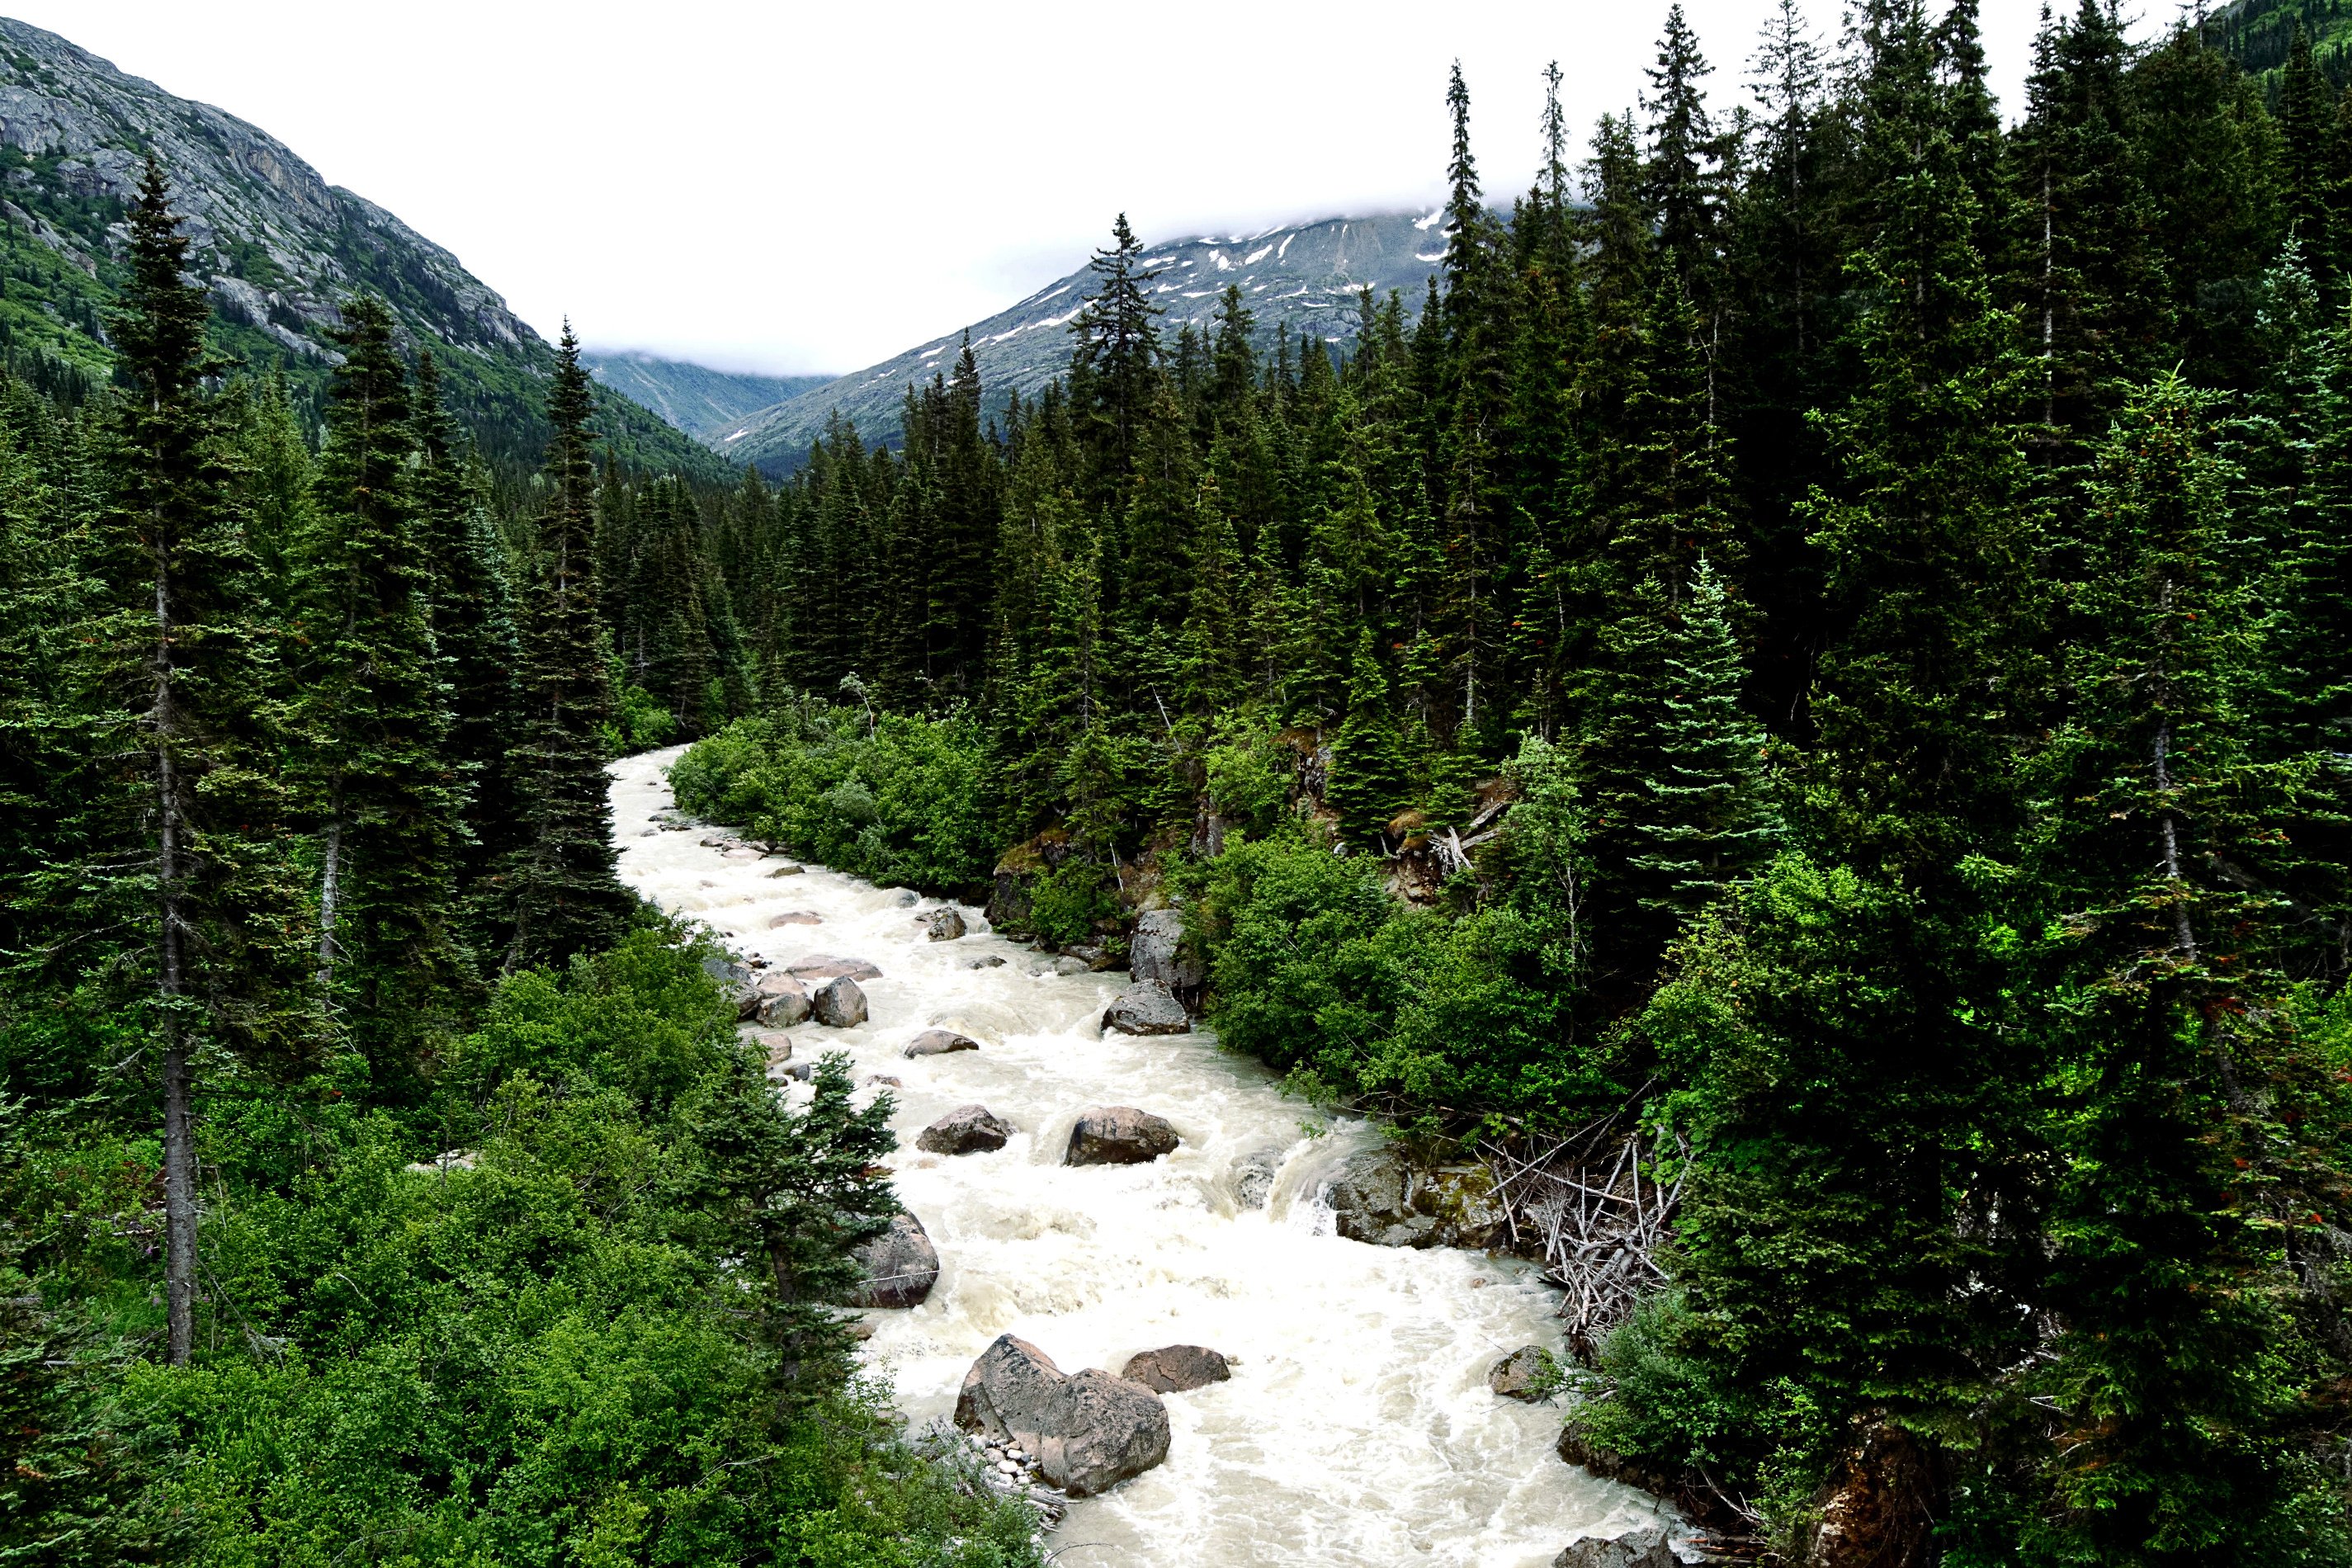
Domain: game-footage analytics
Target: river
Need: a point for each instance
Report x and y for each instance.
(1358, 1428)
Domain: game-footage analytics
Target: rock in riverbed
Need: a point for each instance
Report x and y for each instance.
(795, 918)
(1149, 1009)
(1119, 1135)
(784, 1001)
(1088, 1432)
(787, 870)
(737, 982)
(966, 1130)
(938, 1043)
(825, 966)
(1377, 1197)
(1156, 952)
(902, 1266)
(943, 925)
(1529, 1373)
(839, 1004)
(1644, 1548)
(1173, 1369)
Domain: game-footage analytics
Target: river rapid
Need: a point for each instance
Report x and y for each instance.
(1358, 1428)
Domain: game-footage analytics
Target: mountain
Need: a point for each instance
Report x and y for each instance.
(1304, 277)
(704, 403)
(278, 246)
(2258, 34)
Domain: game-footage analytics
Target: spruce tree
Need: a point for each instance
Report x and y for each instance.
(566, 898)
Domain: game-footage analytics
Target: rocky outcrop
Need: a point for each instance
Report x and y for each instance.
(1119, 1135)
(943, 925)
(1876, 1511)
(784, 1001)
(938, 1043)
(1175, 1369)
(1379, 1197)
(1087, 1432)
(1643, 1548)
(1529, 1373)
(966, 1130)
(1156, 955)
(825, 966)
(737, 984)
(902, 1266)
(839, 1004)
(1149, 1009)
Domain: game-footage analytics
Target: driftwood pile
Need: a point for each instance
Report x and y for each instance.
(1594, 1210)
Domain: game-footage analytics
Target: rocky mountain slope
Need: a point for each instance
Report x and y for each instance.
(1305, 277)
(279, 247)
(704, 403)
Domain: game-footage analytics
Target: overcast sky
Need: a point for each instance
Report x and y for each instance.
(796, 187)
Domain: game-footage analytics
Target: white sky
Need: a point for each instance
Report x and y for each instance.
(797, 187)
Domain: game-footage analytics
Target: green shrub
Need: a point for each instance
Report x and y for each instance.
(900, 800)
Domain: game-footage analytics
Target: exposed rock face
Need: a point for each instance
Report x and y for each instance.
(1088, 1432)
(938, 1043)
(1875, 1512)
(943, 925)
(1253, 1177)
(900, 1264)
(1173, 1369)
(1377, 1197)
(1119, 1135)
(784, 1001)
(1156, 954)
(966, 1130)
(1643, 1548)
(738, 983)
(1148, 1008)
(825, 966)
(839, 1004)
(1529, 1373)
(795, 918)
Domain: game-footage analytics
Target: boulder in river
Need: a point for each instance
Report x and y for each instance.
(1174, 1369)
(900, 1264)
(966, 1130)
(991, 961)
(786, 870)
(1529, 1373)
(1253, 1177)
(1643, 1548)
(938, 1043)
(1088, 1432)
(784, 1001)
(1119, 1135)
(741, 989)
(742, 852)
(1156, 954)
(795, 918)
(1377, 1197)
(1149, 1009)
(839, 1004)
(943, 925)
(825, 966)
(774, 1044)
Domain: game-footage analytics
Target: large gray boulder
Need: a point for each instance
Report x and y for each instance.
(902, 1266)
(1156, 952)
(795, 918)
(1643, 1548)
(738, 983)
(1377, 1197)
(1149, 1009)
(966, 1130)
(1119, 1135)
(1087, 1433)
(825, 966)
(938, 1043)
(784, 1001)
(943, 925)
(1530, 1374)
(1173, 1369)
(839, 1004)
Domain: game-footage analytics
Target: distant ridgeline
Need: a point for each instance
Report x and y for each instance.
(1302, 280)
(279, 250)
(2260, 35)
(704, 403)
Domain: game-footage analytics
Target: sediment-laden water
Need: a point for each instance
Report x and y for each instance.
(1358, 1428)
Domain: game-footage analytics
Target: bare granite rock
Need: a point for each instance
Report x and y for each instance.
(966, 1130)
(1174, 1369)
(839, 1004)
(1119, 1135)
(1088, 1432)
(902, 1266)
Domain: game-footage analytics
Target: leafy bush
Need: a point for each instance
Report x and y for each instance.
(891, 797)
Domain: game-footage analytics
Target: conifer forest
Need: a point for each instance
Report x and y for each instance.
(1813, 665)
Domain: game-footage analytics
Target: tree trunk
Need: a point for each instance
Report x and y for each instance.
(330, 893)
(171, 986)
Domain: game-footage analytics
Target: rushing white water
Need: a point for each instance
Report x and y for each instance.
(1358, 1428)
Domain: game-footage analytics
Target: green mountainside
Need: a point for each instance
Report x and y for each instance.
(700, 401)
(2259, 34)
(278, 250)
